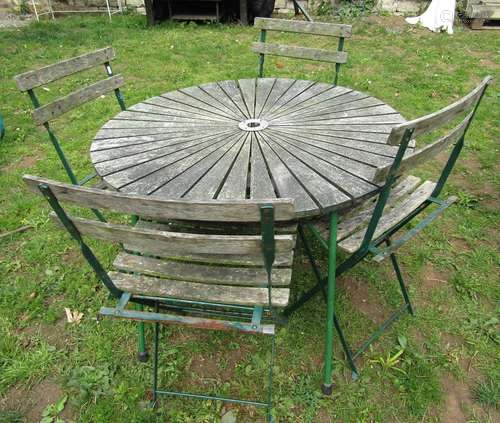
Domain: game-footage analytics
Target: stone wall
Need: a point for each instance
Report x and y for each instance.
(403, 6)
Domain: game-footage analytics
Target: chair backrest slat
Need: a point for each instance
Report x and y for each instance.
(50, 73)
(64, 104)
(339, 31)
(314, 28)
(433, 121)
(163, 243)
(160, 209)
(300, 52)
(430, 123)
(426, 153)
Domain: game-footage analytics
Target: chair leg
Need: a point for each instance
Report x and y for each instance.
(270, 418)
(402, 285)
(346, 348)
(142, 353)
(155, 364)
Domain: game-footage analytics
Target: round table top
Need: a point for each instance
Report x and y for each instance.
(251, 138)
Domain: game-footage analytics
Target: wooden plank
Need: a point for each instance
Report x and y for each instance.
(489, 10)
(64, 104)
(426, 153)
(340, 182)
(263, 91)
(282, 94)
(315, 28)
(42, 76)
(164, 243)
(196, 272)
(429, 123)
(248, 91)
(209, 185)
(360, 216)
(321, 190)
(234, 185)
(306, 53)
(392, 216)
(149, 177)
(280, 88)
(232, 91)
(161, 209)
(151, 286)
(261, 185)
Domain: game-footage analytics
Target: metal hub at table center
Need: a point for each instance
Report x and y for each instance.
(251, 138)
(253, 125)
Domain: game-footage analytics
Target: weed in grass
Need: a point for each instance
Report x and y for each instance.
(488, 392)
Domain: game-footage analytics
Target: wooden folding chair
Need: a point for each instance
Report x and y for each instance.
(206, 281)
(366, 229)
(42, 115)
(339, 31)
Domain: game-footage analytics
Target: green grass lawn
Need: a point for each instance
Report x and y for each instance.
(449, 370)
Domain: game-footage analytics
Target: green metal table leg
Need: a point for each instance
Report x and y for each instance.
(327, 386)
(142, 353)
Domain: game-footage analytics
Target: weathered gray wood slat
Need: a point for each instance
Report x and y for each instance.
(235, 184)
(429, 123)
(261, 185)
(285, 94)
(379, 110)
(147, 285)
(300, 52)
(42, 76)
(150, 115)
(126, 150)
(64, 104)
(196, 272)
(210, 183)
(323, 191)
(188, 179)
(426, 153)
(170, 123)
(355, 128)
(365, 157)
(176, 243)
(232, 91)
(314, 28)
(140, 163)
(248, 92)
(361, 215)
(373, 137)
(300, 145)
(215, 94)
(155, 208)
(389, 119)
(376, 147)
(325, 101)
(392, 215)
(157, 173)
(285, 183)
(340, 181)
(165, 107)
(310, 94)
(263, 93)
(124, 133)
(183, 102)
(280, 88)
(208, 97)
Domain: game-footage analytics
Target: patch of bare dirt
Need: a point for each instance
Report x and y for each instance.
(432, 279)
(31, 402)
(26, 162)
(390, 22)
(363, 299)
(53, 334)
(458, 400)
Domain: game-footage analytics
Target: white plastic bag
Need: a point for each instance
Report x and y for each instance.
(439, 16)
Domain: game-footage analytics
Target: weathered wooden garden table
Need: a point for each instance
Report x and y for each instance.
(254, 138)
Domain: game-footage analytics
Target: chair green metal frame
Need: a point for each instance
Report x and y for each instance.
(340, 31)
(247, 319)
(28, 81)
(2, 128)
(372, 245)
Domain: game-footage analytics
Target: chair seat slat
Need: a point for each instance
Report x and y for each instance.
(196, 272)
(392, 216)
(351, 221)
(300, 52)
(168, 288)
